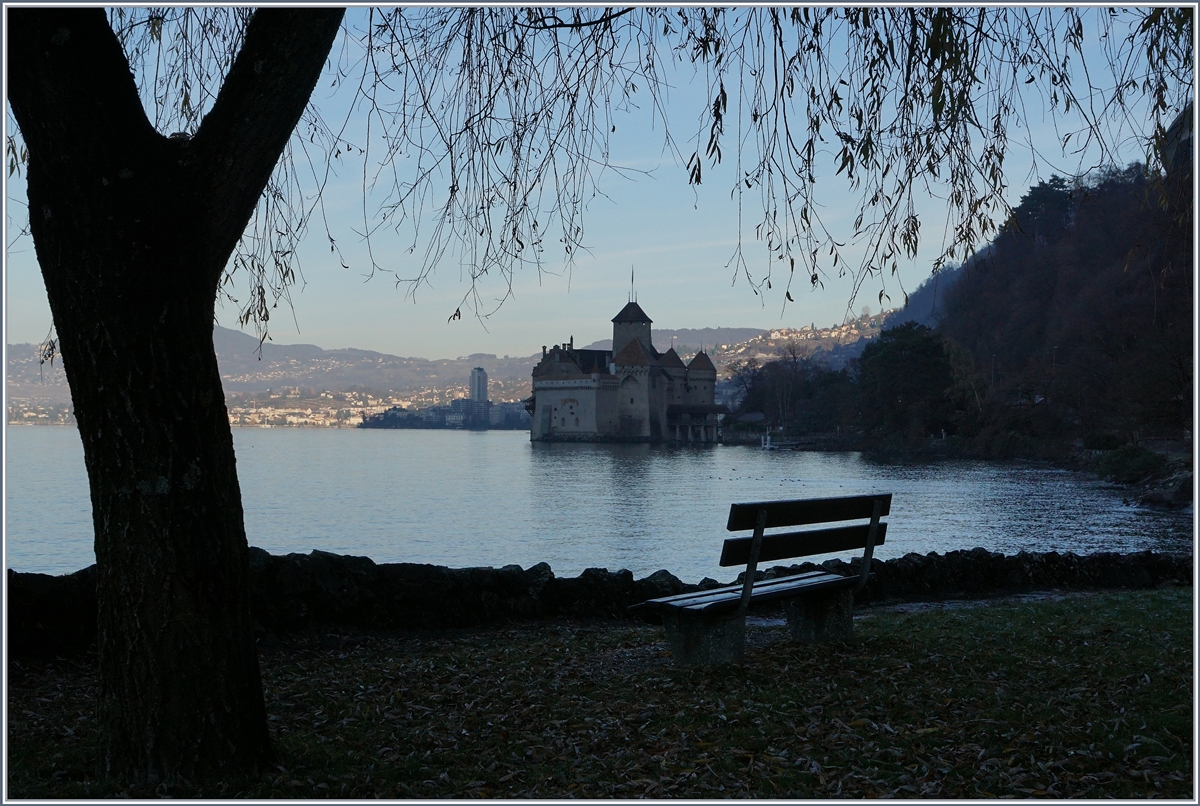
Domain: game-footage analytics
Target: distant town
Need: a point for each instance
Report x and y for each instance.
(306, 386)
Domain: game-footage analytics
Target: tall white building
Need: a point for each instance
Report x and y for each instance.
(479, 385)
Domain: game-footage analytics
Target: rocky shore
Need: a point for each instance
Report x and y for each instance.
(54, 615)
(1173, 490)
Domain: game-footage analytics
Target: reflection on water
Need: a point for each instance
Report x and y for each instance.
(493, 498)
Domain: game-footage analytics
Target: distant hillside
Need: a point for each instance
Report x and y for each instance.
(692, 339)
(306, 366)
(248, 370)
(833, 346)
(28, 379)
(309, 366)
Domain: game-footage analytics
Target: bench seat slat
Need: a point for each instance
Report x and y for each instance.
(683, 599)
(794, 587)
(727, 597)
(801, 513)
(800, 544)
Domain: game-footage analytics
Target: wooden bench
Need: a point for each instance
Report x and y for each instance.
(708, 627)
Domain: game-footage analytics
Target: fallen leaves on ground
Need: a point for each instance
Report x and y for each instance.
(1080, 697)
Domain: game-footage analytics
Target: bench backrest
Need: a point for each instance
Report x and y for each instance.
(785, 545)
(764, 515)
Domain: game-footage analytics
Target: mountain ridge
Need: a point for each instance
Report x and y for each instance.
(248, 367)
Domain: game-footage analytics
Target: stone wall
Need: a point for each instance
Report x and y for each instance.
(49, 615)
(980, 573)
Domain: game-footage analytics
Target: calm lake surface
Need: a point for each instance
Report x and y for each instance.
(462, 499)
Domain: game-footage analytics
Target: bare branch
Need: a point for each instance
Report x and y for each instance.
(483, 133)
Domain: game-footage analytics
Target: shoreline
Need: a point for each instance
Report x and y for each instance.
(1170, 487)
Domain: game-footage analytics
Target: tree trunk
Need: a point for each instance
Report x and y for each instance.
(180, 692)
(132, 232)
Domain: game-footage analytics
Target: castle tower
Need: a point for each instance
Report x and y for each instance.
(629, 325)
(634, 396)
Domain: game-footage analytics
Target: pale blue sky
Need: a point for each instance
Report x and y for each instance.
(678, 240)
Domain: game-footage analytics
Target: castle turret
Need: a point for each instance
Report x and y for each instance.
(701, 379)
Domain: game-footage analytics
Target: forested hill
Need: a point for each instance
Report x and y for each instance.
(927, 305)
(1085, 300)
(1073, 328)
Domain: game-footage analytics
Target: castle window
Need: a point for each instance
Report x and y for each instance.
(576, 421)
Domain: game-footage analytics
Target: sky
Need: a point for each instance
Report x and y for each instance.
(675, 239)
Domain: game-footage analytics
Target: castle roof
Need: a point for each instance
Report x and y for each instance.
(701, 362)
(671, 359)
(592, 360)
(556, 362)
(632, 355)
(632, 313)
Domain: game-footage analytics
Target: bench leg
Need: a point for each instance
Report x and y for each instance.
(817, 619)
(697, 640)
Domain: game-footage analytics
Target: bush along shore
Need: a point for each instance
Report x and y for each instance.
(52, 616)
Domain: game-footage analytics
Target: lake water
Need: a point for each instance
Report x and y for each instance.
(462, 498)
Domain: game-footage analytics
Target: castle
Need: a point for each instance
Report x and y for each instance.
(631, 393)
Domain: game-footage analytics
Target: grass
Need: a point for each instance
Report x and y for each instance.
(1084, 696)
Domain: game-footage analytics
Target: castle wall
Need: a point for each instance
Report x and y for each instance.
(678, 387)
(564, 408)
(608, 419)
(633, 402)
(657, 403)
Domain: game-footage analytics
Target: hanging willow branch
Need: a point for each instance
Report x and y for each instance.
(481, 133)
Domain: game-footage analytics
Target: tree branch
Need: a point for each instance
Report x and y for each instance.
(606, 17)
(256, 111)
(68, 80)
